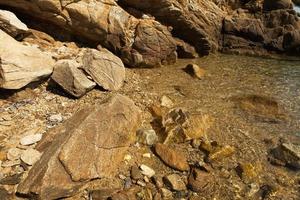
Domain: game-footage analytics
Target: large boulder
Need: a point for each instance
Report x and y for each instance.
(197, 22)
(139, 42)
(20, 64)
(88, 146)
(10, 24)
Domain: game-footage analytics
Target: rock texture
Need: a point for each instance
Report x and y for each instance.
(139, 42)
(72, 79)
(106, 69)
(21, 64)
(10, 24)
(88, 146)
(197, 22)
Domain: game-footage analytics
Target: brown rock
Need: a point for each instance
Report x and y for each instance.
(88, 146)
(72, 79)
(199, 180)
(106, 69)
(185, 50)
(171, 157)
(248, 172)
(195, 71)
(175, 182)
(136, 173)
(20, 64)
(221, 153)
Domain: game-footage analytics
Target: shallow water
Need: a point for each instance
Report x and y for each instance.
(297, 8)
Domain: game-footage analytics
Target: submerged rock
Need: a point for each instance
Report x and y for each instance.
(20, 64)
(88, 146)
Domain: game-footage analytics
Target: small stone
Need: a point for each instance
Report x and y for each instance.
(166, 102)
(147, 171)
(175, 182)
(196, 143)
(147, 155)
(136, 173)
(199, 180)
(166, 194)
(195, 71)
(223, 152)
(30, 156)
(3, 156)
(147, 136)
(146, 179)
(121, 176)
(127, 157)
(56, 118)
(13, 154)
(171, 157)
(127, 183)
(248, 172)
(141, 183)
(30, 139)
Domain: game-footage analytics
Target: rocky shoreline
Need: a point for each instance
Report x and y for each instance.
(86, 112)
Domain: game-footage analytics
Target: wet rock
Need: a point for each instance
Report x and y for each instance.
(147, 136)
(175, 182)
(199, 180)
(147, 171)
(166, 102)
(30, 139)
(11, 180)
(195, 71)
(171, 157)
(289, 154)
(136, 173)
(72, 79)
(14, 154)
(10, 24)
(30, 156)
(20, 64)
(88, 146)
(105, 68)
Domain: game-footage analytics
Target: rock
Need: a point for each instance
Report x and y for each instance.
(72, 79)
(175, 182)
(185, 50)
(3, 156)
(277, 4)
(136, 173)
(88, 146)
(106, 69)
(171, 157)
(199, 181)
(195, 71)
(10, 24)
(248, 172)
(20, 64)
(139, 42)
(30, 139)
(11, 180)
(221, 153)
(14, 154)
(4, 194)
(141, 183)
(57, 118)
(147, 171)
(288, 153)
(166, 194)
(30, 156)
(147, 136)
(166, 102)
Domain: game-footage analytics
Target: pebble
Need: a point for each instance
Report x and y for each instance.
(30, 139)
(147, 155)
(30, 156)
(13, 154)
(147, 171)
(166, 102)
(141, 183)
(175, 182)
(166, 194)
(136, 173)
(127, 157)
(147, 136)
(195, 70)
(56, 118)
(121, 176)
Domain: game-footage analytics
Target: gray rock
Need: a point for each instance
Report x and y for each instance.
(20, 64)
(106, 69)
(72, 79)
(10, 24)
(147, 136)
(89, 145)
(175, 182)
(147, 171)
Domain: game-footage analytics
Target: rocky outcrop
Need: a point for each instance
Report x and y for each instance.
(10, 24)
(88, 146)
(72, 79)
(138, 42)
(20, 64)
(197, 22)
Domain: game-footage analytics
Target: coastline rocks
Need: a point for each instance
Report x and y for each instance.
(10, 24)
(20, 64)
(138, 42)
(87, 146)
(72, 79)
